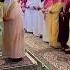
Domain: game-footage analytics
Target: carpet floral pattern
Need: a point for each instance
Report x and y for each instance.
(55, 59)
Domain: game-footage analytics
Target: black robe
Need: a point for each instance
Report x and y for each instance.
(64, 26)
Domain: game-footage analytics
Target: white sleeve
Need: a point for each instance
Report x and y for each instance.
(42, 4)
(7, 4)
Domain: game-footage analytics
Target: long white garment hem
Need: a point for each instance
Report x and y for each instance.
(45, 30)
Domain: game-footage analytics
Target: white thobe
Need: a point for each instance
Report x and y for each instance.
(28, 17)
(68, 43)
(45, 30)
(34, 18)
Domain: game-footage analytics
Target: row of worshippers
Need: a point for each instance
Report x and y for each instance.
(50, 19)
(13, 34)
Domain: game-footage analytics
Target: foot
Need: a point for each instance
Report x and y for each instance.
(2, 62)
(40, 36)
(47, 42)
(67, 51)
(25, 30)
(55, 47)
(13, 60)
(64, 47)
(16, 59)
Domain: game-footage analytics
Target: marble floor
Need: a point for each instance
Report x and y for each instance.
(53, 59)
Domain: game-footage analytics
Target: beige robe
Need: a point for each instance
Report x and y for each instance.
(13, 37)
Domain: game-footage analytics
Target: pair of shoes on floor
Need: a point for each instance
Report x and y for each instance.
(13, 61)
(66, 49)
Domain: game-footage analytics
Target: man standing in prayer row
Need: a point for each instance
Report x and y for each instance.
(13, 36)
(47, 7)
(33, 17)
(28, 17)
(64, 27)
(53, 23)
(38, 18)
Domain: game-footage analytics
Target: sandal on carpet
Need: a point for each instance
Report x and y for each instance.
(65, 47)
(2, 62)
(47, 42)
(40, 36)
(12, 60)
(67, 51)
(55, 47)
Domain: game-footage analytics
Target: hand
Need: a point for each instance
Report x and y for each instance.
(51, 12)
(5, 18)
(43, 12)
(39, 8)
(62, 14)
(34, 7)
(23, 11)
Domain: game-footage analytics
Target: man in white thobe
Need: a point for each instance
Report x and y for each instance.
(34, 17)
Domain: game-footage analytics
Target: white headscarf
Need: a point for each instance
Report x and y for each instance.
(7, 4)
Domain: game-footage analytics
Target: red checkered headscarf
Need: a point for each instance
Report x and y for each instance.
(66, 1)
(48, 3)
(55, 1)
